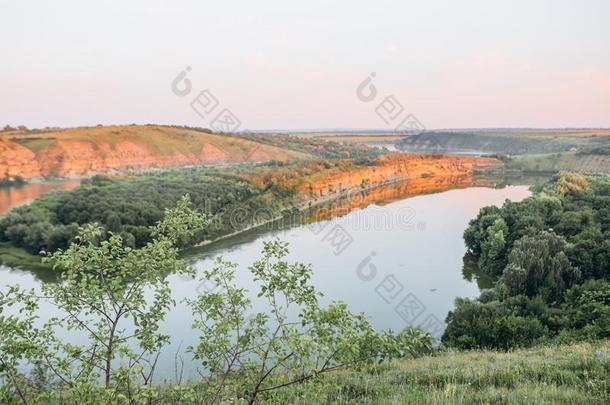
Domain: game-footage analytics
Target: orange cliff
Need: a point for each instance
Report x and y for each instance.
(387, 193)
(15, 160)
(83, 151)
(392, 168)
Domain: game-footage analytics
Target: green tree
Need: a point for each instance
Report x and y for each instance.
(295, 340)
(495, 324)
(539, 265)
(114, 295)
(113, 222)
(493, 247)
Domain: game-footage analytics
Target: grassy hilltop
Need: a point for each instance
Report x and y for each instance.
(87, 150)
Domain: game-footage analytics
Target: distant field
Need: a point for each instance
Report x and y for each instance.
(505, 143)
(362, 138)
(366, 138)
(393, 138)
(372, 135)
(551, 132)
(565, 161)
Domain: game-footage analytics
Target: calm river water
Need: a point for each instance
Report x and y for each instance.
(400, 263)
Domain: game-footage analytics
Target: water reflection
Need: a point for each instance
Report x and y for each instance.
(471, 271)
(14, 196)
(40, 273)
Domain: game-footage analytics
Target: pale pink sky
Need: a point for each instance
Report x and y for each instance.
(279, 64)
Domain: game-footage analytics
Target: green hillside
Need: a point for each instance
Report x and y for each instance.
(574, 374)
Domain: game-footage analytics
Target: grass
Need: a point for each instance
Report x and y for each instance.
(158, 140)
(553, 132)
(503, 143)
(567, 374)
(567, 161)
(572, 374)
(36, 144)
(15, 257)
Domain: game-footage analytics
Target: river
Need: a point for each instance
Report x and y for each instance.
(397, 259)
(14, 196)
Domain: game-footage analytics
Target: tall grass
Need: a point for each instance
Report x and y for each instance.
(576, 374)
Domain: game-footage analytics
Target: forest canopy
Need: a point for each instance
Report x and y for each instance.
(131, 205)
(550, 258)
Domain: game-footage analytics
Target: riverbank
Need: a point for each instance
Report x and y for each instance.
(304, 209)
(237, 199)
(324, 207)
(14, 257)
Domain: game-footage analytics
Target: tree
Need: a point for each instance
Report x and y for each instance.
(493, 247)
(103, 295)
(294, 341)
(494, 324)
(539, 265)
(476, 232)
(113, 222)
(570, 182)
(556, 239)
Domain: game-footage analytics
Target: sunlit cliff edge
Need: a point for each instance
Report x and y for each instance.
(392, 168)
(88, 150)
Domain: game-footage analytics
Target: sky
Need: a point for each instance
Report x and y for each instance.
(298, 65)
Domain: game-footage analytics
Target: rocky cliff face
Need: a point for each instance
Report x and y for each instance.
(83, 151)
(15, 160)
(82, 157)
(393, 168)
(387, 193)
